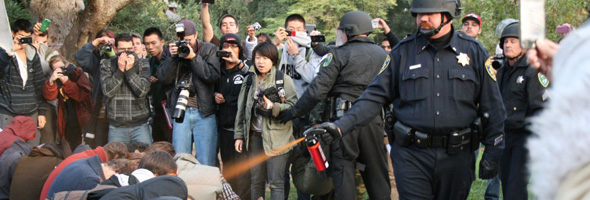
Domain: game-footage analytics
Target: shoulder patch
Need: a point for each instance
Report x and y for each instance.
(491, 71)
(543, 79)
(327, 59)
(385, 64)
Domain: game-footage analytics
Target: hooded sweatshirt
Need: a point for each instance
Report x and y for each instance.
(8, 162)
(32, 171)
(22, 127)
(161, 186)
(83, 174)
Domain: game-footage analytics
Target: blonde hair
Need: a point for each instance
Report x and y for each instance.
(56, 59)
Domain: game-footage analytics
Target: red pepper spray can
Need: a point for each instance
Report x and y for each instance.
(317, 154)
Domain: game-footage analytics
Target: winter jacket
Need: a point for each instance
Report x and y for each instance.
(126, 92)
(86, 154)
(22, 127)
(16, 99)
(204, 69)
(274, 133)
(8, 162)
(32, 171)
(160, 186)
(83, 174)
(203, 182)
(78, 90)
(89, 59)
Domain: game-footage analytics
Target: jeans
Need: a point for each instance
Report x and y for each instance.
(273, 168)
(140, 133)
(203, 131)
(493, 189)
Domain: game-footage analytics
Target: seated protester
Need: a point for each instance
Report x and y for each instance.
(227, 91)
(256, 122)
(111, 151)
(125, 83)
(32, 171)
(160, 186)
(15, 137)
(81, 175)
(72, 89)
(202, 181)
(89, 58)
(21, 80)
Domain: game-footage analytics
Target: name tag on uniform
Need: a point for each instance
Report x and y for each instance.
(415, 66)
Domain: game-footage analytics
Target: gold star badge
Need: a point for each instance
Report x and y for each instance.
(463, 59)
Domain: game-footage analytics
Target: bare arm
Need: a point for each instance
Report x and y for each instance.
(206, 21)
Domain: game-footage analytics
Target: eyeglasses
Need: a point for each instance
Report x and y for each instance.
(228, 45)
(125, 49)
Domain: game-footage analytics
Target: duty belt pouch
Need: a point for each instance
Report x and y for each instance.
(341, 107)
(422, 139)
(458, 141)
(403, 134)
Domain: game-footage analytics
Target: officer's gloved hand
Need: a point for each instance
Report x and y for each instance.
(489, 164)
(332, 132)
(285, 116)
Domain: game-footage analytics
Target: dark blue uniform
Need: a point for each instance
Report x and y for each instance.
(345, 73)
(524, 92)
(434, 91)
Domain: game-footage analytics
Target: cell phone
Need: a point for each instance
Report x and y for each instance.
(223, 54)
(44, 25)
(25, 40)
(290, 33)
(208, 1)
(318, 38)
(532, 22)
(309, 28)
(375, 24)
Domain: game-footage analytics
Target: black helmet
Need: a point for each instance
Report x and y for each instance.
(511, 30)
(356, 23)
(452, 7)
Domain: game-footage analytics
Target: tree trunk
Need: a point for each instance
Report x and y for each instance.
(73, 23)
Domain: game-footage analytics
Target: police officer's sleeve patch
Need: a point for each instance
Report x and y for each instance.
(385, 64)
(491, 71)
(498, 140)
(543, 79)
(327, 59)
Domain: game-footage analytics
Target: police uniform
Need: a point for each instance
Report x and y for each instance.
(345, 73)
(436, 92)
(524, 93)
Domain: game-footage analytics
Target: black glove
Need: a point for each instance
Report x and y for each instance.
(285, 116)
(332, 132)
(488, 166)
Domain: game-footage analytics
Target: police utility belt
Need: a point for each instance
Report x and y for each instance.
(455, 142)
(336, 108)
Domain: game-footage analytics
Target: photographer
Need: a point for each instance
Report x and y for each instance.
(21, 79)
(256, 125)
(227, 91)
(89, 58)
(125, 83)
(72, 90)
(193, 68)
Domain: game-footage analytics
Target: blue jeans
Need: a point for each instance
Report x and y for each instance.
(140, 133)
(202, 130)
(493, 189)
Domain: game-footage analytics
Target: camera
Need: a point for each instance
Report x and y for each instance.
(223, 54)
(182, 44)
(25, 40)
(290, 33)
(66, 71)
(256, 26)
(318, 38)
(498, 61)
(182, 102)
(108, 50)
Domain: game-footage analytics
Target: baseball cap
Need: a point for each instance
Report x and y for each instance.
(230, 38)
(189, 27)
(473, 17)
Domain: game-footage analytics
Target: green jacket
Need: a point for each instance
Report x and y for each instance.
(274, 133)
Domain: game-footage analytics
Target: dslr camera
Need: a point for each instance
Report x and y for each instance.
(498, 61)
(182, 101)
(182, 44)
(66, 71)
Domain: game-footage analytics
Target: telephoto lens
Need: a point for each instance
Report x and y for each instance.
(180, 108)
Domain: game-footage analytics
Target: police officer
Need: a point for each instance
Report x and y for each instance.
(345, 72)
(439, 82)
(524, 92)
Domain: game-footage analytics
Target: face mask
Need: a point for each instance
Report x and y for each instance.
(340, 38)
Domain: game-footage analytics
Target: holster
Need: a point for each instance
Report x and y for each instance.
(337, 107)
(476, 133)
(403, 134)
(459, 140)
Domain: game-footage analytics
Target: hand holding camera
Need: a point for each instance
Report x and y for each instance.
(103, 41)
(20, 42)
(57, 74)
(280, 34)
(381, 24)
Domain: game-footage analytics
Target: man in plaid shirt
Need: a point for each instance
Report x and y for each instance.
(125, 83)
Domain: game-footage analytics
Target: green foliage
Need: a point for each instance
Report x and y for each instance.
(15, 10)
